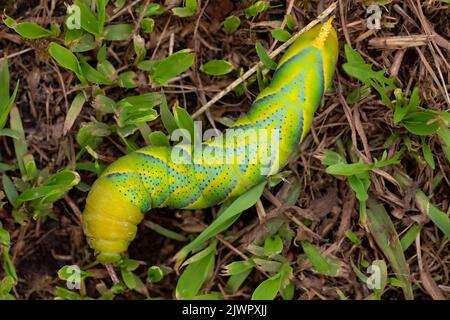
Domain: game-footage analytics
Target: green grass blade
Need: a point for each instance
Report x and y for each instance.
(20, 145)
(165, 232)
(439, 218)
(195, 275)
(409, 237)
(224, 220)
(383, 231)
(74, 111)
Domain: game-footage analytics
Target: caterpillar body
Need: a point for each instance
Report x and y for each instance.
(149, 178)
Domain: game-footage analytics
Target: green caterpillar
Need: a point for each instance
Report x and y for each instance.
(149, 178)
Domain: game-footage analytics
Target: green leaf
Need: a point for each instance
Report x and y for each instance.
(268, 265)
(410, 236)
(126, 80)
(64, 178)
(4, 88)
(130, 264)
(427, 154)
(288, 292)
(54, 192)
(6, 102)
(119, 4)
(154, 274)
(209, 296)
(148, 100)
(360, 185)
(320, 264)
(85, 43)
(107, 69)
(184, 121)
(138, 109)
(183, 12)
(153, 9)
(386, 237)
(65, 58)
(91, 134)
(101, 10)
(231, 24)
(165, 232)
(238, 267)
(361, 276)
(378, 280)
(20, 144)
(167, 117)
(7, 167)
(92, 75)
(235, 281)
(444, 134)
(172, 66)
(344, 169)
(119, 32)
(262, 83)
(268, 289)
(290, 22)
(401, 111)
(148, 25)
(74, 111)
(256, 8)
(357, 68)
(102, 53)
(129, 278)
(67, 272)
(64, 294)
(228, 216)
(88, 19)
(6, 286)
(191, 4)
(8, 266)
(104, 104)
(281, 35)
(352, 237)
(118, 288)
(200, 255)
(273, 245)
(418, 123)
(5, 238)
(264, 57)
(147, 65)
(445, 117)
(28, 30)
(134, 114)
(330, 158)
(139, 48)
(10, 190)
(216, 67)
(195, 275)
(439, 218)
(188, 10)
(396, 283)
(73, 35)
(159, 139)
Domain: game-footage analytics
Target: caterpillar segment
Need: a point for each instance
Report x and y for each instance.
(150, 178)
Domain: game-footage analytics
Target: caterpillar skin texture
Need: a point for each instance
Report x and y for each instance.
(148, 178)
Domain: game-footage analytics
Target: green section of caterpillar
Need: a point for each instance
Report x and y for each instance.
(257, 145)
